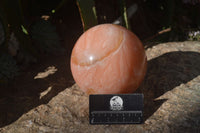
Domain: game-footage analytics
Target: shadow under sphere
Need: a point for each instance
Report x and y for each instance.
(166, 72)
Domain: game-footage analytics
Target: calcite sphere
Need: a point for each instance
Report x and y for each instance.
(108, 59)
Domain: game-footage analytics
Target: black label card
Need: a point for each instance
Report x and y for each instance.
(116, 109)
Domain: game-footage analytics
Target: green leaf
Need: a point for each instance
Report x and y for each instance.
(24, 30)
(122, 7)
(53, 11)
(13, 13)
(59, 5)
(88, 13)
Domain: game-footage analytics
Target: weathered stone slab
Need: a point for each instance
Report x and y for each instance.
(171, 91)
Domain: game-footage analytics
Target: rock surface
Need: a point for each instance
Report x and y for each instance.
(171, 99)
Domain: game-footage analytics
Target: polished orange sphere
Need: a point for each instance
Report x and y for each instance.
(108, 59)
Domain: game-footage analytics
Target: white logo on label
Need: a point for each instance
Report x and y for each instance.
(116, 103)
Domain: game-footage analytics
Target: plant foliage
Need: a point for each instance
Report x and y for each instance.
(123, 11)
(2, 34)
(8, 67)
(88, 13)
(45, 36)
